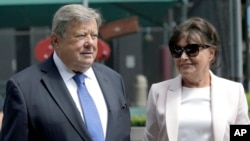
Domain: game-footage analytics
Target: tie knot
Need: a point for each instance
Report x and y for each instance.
(79, 78)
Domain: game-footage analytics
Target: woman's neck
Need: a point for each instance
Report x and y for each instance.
(196, 82)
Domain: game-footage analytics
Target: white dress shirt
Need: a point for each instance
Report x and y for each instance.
(92, 86)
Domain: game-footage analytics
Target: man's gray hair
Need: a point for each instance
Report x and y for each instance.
(73, 13)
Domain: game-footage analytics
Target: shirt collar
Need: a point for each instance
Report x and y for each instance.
(67, 73)
(89, 73)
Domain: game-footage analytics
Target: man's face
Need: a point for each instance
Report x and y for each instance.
(78, 48)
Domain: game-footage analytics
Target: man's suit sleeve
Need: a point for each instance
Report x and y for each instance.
(14, 125)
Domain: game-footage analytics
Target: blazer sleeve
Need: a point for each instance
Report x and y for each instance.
(14, 125)
(242, 115)
(151, 130)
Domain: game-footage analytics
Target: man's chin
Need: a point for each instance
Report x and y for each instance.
(81, 67)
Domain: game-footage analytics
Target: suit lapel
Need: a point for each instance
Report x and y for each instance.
(57, 89)
(218, 108)
(105, 86)
(109, 95)
(172, 106)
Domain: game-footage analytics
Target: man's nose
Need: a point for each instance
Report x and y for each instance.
(88, 40)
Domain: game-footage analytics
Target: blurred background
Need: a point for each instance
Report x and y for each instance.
(133, 39)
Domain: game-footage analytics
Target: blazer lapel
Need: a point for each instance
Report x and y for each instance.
(172, 106)
(57, 89)
(218, 108)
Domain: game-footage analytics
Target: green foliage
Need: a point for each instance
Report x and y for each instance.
(248, 101)
(138, 120)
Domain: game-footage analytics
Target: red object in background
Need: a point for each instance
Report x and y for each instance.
(44, 49)
(103, 50)
(119, 28)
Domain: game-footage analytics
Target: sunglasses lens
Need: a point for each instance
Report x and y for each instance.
(192, 50)
(176, 52)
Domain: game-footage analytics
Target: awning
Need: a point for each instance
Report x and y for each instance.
(26, 13)
(30, 2)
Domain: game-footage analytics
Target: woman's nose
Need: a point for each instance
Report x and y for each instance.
(184, 55)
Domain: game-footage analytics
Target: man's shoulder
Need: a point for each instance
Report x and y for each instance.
(103, 67)
(28, 72)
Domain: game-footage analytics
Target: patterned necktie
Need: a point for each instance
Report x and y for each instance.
(90, 112)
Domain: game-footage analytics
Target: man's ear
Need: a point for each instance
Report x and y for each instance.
(54, 39)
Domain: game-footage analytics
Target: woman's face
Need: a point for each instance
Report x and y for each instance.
(192, 67)
(78, 48)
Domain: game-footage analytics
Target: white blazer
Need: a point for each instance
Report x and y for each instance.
(228, 106)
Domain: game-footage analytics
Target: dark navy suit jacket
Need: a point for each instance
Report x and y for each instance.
(38, 106)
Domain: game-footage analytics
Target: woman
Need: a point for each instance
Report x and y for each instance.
(197, 105)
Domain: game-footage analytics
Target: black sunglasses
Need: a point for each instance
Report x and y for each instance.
(191, 50)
